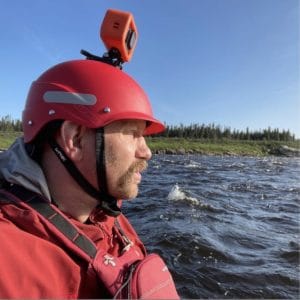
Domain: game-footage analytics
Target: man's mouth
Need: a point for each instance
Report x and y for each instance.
(138, 176)
(139, 168)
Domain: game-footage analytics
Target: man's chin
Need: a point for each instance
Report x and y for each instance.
(127, 194)
(131, 196)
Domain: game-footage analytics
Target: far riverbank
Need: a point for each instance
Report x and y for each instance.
(163, 145)
(223, 147)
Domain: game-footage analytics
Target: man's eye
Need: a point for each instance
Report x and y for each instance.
(130, 132)
(135, 134)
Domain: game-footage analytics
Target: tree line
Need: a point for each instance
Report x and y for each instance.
(216, 132)
(8, 124)
(192, 131)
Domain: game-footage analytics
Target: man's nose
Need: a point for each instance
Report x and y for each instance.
(143, 151)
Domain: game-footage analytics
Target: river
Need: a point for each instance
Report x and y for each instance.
(228, 227)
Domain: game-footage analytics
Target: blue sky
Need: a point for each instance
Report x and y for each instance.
(234, 63)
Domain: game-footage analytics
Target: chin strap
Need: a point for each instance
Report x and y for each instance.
(107, 203)
(100, 156)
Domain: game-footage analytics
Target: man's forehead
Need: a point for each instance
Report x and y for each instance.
(132, 123)
(128, 123)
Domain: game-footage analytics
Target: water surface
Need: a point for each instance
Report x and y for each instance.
(228, 227)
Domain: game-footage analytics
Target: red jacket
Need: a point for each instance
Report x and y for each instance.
(35, 265)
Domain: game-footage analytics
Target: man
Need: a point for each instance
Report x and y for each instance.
(83, 150)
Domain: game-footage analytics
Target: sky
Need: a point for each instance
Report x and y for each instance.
(234, 63)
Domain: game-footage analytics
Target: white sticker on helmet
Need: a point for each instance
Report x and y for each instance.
(69, 98)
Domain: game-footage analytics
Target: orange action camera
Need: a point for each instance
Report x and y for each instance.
(118, 32)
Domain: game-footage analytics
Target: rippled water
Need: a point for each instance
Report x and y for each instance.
(228, 227)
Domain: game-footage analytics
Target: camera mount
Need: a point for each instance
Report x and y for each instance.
(119, 35)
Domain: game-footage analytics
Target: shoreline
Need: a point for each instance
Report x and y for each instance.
(178, 146)
(191, 152)
(184, 146)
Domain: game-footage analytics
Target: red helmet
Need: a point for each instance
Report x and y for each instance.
(87, 92)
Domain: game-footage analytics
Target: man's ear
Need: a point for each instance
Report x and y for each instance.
(71, 139)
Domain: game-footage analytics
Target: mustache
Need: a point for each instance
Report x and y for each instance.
(138, 166)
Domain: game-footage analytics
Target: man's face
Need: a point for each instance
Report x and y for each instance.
(126, 156)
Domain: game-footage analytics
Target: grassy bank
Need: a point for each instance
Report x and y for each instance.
(217, 147)
(7, 138)
(181, 145)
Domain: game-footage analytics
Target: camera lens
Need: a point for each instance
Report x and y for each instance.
(130, 39)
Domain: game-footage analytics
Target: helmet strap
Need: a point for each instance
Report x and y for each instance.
(100, 156)
(107, 203)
